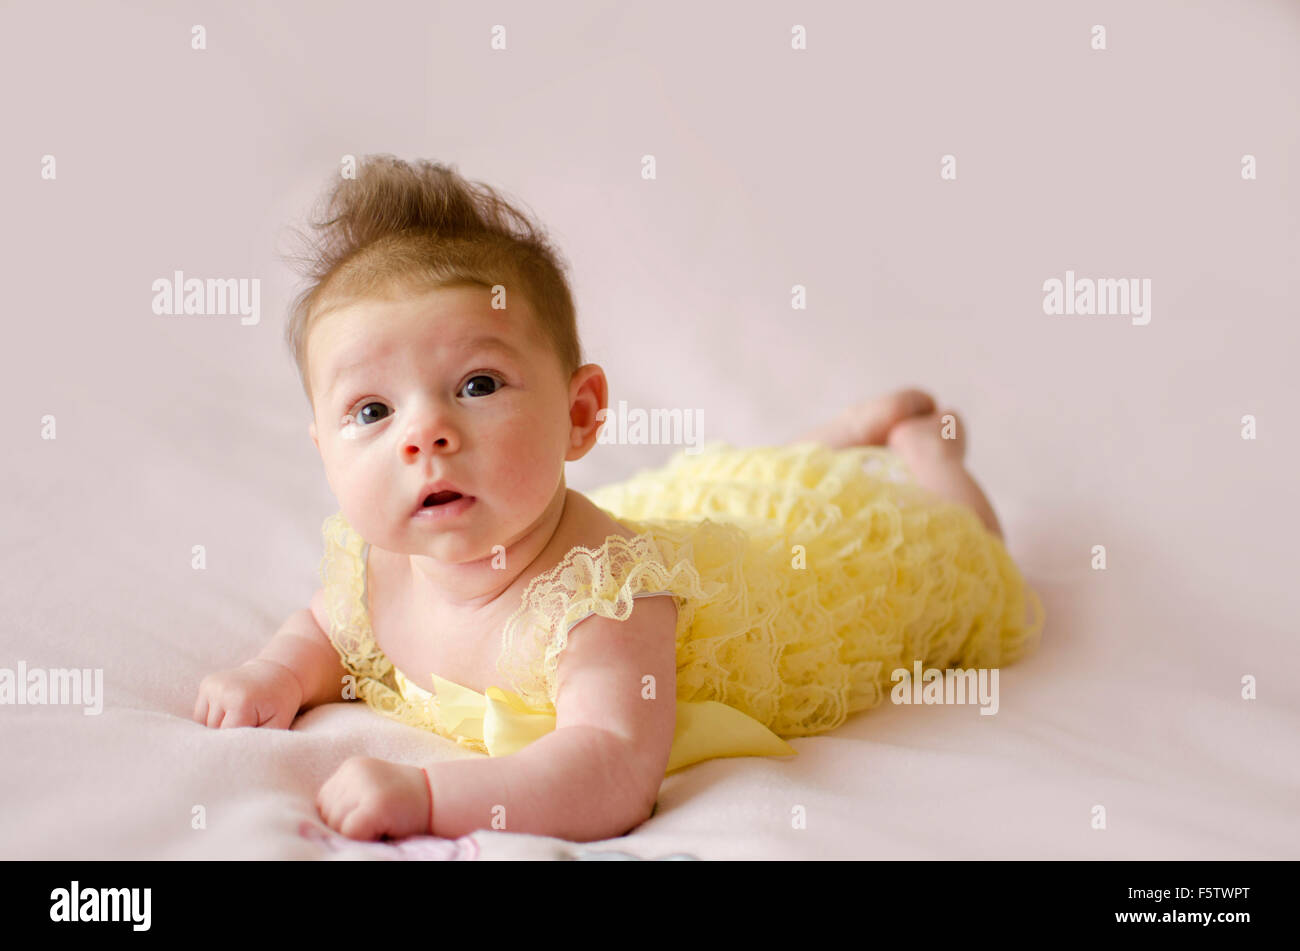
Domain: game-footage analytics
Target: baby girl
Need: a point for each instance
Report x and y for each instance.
(587, 645)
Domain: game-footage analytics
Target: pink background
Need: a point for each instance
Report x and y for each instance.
(775, 168)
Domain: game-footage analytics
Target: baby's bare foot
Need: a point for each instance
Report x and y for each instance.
(924, 440)
(872, 422)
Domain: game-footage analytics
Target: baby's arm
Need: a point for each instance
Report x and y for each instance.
(305, 649)
(597, 774)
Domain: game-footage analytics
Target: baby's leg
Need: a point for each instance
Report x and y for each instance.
(906, 421)
(937, 462)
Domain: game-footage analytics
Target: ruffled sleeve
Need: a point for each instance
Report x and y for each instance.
(603, 581)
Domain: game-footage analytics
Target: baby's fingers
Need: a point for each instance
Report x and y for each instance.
(242, 714)
(217, 713)
(240, 708)
(361, 823)
(200, 714)
(334, 804)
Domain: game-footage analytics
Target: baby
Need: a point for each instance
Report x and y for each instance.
(438, 349)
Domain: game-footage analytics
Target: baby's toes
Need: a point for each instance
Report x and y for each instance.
(934, 437)
(869, 423)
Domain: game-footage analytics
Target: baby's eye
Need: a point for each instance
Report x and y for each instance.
(371, 413)
(479, 389)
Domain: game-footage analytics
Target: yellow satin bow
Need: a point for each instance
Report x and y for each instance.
(504, 723)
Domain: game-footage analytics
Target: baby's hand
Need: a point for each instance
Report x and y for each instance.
(367, 798)
(260, 693)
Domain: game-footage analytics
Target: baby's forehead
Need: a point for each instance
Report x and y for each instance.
(458, 309)
(350, 331)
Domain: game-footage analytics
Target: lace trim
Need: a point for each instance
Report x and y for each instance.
(343, 576)
(600, 581)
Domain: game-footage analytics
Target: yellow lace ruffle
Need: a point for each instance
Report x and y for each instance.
(831, 569)
(602, 581)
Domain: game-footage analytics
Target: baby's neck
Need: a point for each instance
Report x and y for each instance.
(473, 585)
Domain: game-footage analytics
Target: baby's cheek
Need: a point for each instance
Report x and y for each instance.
(535, 479)
(363, 502)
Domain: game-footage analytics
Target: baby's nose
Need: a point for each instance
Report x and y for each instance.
(428, 430)
(415, 445)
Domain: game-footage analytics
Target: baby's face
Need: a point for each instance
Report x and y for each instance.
(439, 387)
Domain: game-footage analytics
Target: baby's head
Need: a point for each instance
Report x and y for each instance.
(437, 342)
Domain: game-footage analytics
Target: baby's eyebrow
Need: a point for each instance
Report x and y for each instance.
(342, 372)
(488, 342)
(491, 343)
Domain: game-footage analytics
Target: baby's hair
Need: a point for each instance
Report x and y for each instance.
(416, 226)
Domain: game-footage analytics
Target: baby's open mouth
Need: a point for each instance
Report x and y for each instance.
(440, 498)
(441, 501)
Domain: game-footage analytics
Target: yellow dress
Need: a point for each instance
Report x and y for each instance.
(804, 577)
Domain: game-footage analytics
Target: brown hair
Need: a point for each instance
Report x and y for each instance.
(420, 225)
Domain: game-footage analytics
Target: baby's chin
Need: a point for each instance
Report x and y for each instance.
(451, 550)
(451, 545)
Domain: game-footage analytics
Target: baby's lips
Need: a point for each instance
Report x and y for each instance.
(434, 488)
